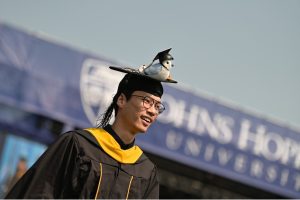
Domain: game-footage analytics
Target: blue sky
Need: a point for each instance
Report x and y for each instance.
(245, 52)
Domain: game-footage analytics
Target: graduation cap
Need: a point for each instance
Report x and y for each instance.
(132, 82)
(159, 71)
(164, 55)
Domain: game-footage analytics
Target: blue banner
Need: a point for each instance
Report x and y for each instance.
(55, 80)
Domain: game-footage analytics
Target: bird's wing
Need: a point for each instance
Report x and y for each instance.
(153, 69)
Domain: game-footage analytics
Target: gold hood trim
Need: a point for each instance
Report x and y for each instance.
(112, 147)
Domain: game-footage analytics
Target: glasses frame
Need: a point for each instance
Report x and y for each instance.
(153, 102)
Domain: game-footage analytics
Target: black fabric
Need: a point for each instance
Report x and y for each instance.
(123, 146)
(133, 82)
(71, 169)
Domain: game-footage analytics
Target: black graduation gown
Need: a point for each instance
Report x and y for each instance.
(77, 167)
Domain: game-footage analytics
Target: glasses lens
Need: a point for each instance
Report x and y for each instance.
(148, 102)
(160, 107)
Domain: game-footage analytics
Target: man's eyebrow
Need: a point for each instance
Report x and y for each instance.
(159, 101)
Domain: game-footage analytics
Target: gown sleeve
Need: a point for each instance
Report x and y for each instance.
(152, 191)
(47, 178)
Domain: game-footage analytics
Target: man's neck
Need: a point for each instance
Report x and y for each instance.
(126, 136)
(113, 133)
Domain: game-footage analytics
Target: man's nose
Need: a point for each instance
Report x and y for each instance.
(152, 110)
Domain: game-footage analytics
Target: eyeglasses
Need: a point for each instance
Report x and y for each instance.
(148, 102)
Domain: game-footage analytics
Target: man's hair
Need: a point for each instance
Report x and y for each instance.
(105, 117)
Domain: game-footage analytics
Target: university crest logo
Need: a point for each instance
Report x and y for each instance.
(98, 84)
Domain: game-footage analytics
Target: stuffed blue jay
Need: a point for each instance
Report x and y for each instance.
(158, 69)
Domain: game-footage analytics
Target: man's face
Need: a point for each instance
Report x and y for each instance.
(139, 111)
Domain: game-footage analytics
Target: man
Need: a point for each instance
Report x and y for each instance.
(102, 162)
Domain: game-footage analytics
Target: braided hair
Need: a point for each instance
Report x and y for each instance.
(105, 117)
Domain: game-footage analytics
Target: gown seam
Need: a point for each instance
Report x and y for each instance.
(99, 182)
(129, 186)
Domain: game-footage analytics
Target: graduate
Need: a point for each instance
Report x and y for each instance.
(104, 162)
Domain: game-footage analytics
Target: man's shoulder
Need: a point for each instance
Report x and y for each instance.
(79, 135)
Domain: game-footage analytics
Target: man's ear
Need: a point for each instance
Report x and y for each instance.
(121, 100)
